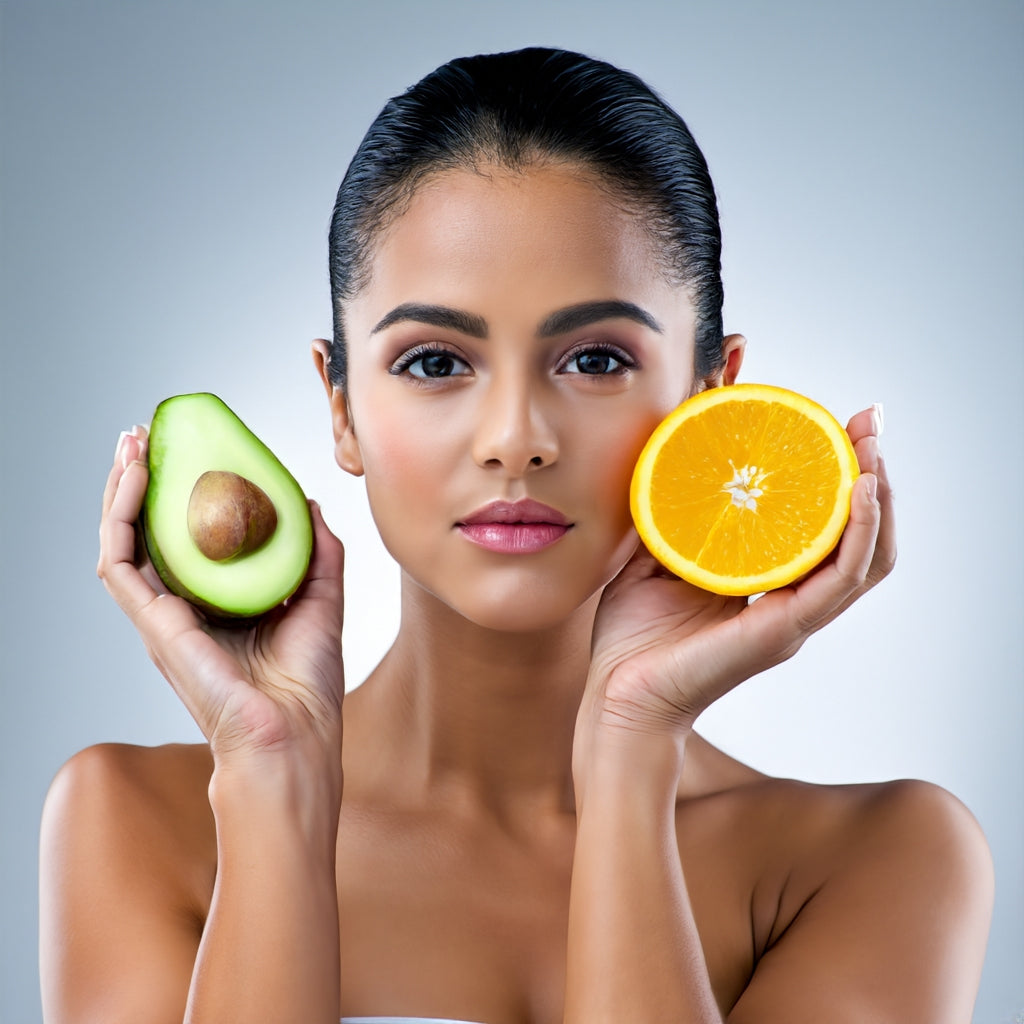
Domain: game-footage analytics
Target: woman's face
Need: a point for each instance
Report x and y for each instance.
(517, 343)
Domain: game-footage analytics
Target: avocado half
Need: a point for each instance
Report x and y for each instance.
(226, 526)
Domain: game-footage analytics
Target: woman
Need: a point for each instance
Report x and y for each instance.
(519, 822)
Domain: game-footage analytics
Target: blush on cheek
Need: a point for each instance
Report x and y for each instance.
(612, 458)
(407, 480)
(399, 481)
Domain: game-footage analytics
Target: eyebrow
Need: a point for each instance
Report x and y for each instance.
(560, 322)
(435, 316)
(574, 317)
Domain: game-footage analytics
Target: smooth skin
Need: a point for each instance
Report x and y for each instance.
(519, 823)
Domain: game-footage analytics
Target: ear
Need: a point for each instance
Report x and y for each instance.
(346, 446)
(733, 348)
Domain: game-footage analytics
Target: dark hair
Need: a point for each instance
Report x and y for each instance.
(512, 109)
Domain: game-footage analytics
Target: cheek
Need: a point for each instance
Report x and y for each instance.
(606, 454)
(406, 454)
(400, 477)
(616, 445)
(400, 442)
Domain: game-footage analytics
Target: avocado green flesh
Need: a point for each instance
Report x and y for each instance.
(189, 435)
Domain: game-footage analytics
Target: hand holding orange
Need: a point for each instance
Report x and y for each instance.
(744, 488)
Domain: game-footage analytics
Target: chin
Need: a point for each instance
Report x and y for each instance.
(516, 605)
(512, 619)
(529, 595)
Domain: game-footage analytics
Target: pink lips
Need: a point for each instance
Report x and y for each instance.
(515, 528)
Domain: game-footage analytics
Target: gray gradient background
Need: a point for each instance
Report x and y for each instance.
(168, 171)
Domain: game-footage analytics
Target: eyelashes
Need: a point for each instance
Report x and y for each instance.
(598, 359)
(590, 359)
(430, 362)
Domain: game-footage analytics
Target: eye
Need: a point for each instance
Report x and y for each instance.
(427, 363)
(598, 361)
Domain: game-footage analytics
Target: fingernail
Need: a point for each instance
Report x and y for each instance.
(128, 448)
(121, 451)
(870, 487)
(879, 417)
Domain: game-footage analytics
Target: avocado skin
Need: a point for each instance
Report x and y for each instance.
(224, 612)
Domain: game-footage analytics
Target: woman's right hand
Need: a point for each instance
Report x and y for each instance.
(270, 687)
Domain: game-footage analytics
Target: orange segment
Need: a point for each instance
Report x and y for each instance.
(744, 488)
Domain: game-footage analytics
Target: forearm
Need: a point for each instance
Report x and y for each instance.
(269, 951)
(634, 952)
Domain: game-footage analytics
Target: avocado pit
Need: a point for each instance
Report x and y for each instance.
(229, 515)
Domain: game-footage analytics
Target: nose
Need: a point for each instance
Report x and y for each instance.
(514, 431)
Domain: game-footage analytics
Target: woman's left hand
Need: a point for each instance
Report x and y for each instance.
(663, 650)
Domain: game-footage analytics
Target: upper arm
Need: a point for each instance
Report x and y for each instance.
(896, 932)
(118, 930)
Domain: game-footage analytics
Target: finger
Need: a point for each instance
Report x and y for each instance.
(869, 460)
(836, 584)
(774, 628)
(146, 568)
(131, 446)
(884, 556)
(885, 548)
(869, 422)
(325, 578)
(865, 429)
(117, 534)
(328, 559)
(198, 669)
(136, 592)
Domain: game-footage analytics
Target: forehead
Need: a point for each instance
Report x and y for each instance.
(499, 242)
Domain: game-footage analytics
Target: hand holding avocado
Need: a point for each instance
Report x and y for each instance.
(231, 536)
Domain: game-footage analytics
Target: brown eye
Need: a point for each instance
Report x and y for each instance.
(438, 365)
(595, 362)
(598, 362)
(430, 364)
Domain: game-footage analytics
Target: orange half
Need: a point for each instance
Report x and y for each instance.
(744, 488)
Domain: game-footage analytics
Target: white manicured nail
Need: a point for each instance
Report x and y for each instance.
(879, 412)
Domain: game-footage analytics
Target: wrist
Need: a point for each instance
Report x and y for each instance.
(277, 794)
(636, 766)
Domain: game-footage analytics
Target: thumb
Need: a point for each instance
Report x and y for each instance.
(325, 578)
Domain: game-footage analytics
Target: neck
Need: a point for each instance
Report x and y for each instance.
(455, 709)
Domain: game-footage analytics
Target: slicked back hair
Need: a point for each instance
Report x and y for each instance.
(512, 110)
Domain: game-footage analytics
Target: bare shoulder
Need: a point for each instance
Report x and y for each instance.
(127, 863)
(158, 767)
(837, 825)
(912, 833)
(839, 902)
(883, 904)
(824, 829)
(140, 810)
(155, 791)
(916, 821)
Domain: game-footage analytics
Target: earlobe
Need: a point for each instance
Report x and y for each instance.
(347, 453)
(346, 446)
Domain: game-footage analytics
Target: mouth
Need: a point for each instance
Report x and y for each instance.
(519, 527)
